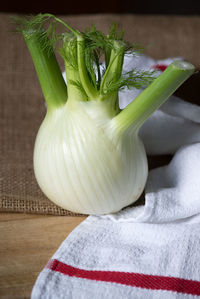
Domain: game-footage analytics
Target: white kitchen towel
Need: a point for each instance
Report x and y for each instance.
(148, 251)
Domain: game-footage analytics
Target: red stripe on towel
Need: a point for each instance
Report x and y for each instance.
(160, 67)
(153, 282)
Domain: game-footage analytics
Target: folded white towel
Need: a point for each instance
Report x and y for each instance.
(149, 251)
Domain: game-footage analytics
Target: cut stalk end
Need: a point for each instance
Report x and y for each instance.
(183, 65)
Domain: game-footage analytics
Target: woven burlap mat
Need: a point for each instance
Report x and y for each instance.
(22, 105)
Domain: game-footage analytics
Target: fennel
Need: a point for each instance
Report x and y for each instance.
(88, 157)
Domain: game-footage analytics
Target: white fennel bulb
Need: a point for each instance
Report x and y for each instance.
(88, 157)
(83, 165)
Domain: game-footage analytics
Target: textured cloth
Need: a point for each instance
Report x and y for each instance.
(148, 251)
(22, 106)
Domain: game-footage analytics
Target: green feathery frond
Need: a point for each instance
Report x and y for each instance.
(97, 48)
(68, 51)
(40, 26)
(132, 79)
(78, 85)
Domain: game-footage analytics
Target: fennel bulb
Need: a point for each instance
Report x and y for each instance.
(88, 157)
(83, 160)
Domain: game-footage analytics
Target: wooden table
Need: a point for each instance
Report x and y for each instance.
(26, 244)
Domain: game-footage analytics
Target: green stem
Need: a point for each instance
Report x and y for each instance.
(48, 71)
(107, 52)
(85, 81)
(62, 22)
(114, 69)
(74, 91)
(153, 96)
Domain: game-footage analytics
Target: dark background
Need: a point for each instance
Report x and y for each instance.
(178, 7)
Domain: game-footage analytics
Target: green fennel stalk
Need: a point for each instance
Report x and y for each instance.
(48, 72)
